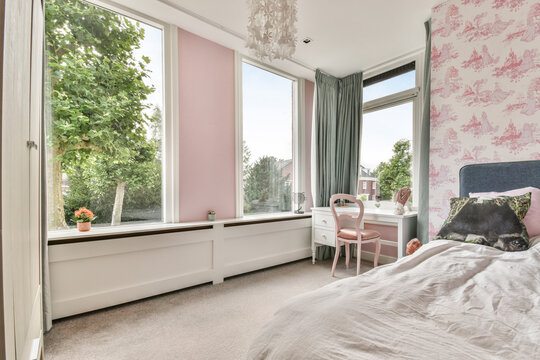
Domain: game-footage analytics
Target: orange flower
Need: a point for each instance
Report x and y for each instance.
(85, 211)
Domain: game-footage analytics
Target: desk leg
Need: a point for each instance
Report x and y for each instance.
(313, 251)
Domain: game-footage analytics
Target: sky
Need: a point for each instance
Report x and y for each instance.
(267, 113)
(383, 128)
(152, 47)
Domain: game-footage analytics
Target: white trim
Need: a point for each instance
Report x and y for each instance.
(392, 63)
(251, 61)
(171, 128)
(128, 12)
(299, 134)
(239, 148)
(314, 190)
(390, 100)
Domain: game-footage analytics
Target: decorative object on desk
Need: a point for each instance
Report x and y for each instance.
(299, 199)
(84, 217)
(272, 28)
(211, 215)
(413, 245)
(377, 204)
(363, 197)
(401, 198)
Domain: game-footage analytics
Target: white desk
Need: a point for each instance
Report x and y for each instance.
(402, 228)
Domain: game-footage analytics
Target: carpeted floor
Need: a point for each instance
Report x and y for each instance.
(204, 322)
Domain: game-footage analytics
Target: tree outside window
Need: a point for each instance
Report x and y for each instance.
(103, 113)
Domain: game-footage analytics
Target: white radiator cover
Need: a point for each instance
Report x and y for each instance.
(93, 275)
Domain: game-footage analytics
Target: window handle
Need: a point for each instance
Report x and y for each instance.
(31, 144)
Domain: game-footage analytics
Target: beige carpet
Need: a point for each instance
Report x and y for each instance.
(203, 322)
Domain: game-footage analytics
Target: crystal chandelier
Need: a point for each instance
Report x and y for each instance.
(271, 28)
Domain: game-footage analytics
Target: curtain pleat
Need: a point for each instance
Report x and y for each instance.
(337, 123)
(423, 191)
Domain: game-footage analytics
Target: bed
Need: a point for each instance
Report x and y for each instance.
(449, 300)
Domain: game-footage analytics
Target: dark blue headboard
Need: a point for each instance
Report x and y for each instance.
(498, 176)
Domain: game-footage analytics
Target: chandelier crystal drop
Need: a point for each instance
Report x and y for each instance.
(272, 28)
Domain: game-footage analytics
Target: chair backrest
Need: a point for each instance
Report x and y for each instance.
(339, 218)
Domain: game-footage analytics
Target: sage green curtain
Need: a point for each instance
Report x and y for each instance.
(326, 122)
(338, 121)
(423, 191)
(338, 117)
(348, 134)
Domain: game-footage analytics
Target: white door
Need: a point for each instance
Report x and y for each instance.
(20, 188)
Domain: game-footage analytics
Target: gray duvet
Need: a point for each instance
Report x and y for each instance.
(449, 300)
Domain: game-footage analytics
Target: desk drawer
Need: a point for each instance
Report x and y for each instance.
(323, 220)
(325, 237)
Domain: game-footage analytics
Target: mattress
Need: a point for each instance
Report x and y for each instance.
(449, 300)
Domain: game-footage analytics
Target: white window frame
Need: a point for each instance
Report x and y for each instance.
(415, 95)
(170, 200)
(298, 131)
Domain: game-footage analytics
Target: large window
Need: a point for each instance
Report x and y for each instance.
(387, 134)
(104, 115)
(267, 123)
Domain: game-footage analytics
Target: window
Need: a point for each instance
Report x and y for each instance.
(374, 186)
(388, 130)
(267, 133)
(364, 185)
(104, 115)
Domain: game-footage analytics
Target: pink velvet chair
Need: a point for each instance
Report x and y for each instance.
(352, 235)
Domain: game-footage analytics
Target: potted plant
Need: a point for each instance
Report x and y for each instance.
(211, 215)
(84, 217)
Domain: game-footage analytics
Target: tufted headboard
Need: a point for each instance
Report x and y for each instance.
(498, 176)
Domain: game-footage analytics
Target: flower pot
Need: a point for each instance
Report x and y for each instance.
(84, 226)
(211, 217)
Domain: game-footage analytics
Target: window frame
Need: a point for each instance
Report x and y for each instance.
(414, 95)
(170, 202)
(298, 129)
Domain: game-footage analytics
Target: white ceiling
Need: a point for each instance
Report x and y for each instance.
(348, 35)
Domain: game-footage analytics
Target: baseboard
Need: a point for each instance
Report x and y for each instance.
(383, 259)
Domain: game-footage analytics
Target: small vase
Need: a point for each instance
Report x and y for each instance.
(211, 217)
(84, 226)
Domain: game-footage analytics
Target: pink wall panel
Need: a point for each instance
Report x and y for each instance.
(309, 90)
(387, 233)
(207, 128)
(485, 90)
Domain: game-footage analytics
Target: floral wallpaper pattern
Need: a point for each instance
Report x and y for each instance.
(485, 90)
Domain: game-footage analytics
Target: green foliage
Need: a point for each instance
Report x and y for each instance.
(96, 83)
(92, 184)
(396, 173)
(99, 130)
(266, 189)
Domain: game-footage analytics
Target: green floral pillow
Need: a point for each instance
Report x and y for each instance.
(492, 222)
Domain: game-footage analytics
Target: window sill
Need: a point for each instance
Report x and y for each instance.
(62, 237)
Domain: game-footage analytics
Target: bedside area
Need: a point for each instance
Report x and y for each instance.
(396, 230)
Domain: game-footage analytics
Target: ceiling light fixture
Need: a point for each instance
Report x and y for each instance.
(272, 28)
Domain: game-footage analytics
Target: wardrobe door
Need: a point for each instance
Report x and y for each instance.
(21, 121)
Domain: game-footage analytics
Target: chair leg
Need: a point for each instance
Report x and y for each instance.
(358, 257)
(377, 252)
(347, 255)
(336, 257)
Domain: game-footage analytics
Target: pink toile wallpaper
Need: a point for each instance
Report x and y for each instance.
(485, 90)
